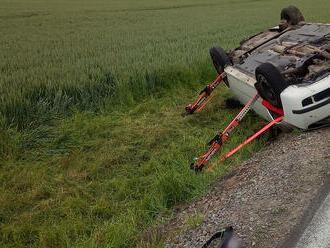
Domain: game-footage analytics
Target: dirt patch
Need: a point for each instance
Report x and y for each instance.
(264, 198)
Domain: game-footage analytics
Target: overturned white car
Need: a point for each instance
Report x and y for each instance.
(282, 73)
(288, 65)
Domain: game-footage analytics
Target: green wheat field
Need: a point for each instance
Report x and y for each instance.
(93, 149)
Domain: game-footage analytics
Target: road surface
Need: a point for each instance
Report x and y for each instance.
(314, 230)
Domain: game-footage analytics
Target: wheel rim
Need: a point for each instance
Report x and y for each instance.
(267, 90)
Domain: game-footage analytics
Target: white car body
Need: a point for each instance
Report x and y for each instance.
(295, 114)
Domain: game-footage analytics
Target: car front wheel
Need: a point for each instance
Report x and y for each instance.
(270, 84)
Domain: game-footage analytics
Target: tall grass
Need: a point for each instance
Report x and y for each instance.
(101, 180)
(93, 150)
(74, 54)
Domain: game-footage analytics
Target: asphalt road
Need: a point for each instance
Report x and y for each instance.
(314, 229)
(317, 233)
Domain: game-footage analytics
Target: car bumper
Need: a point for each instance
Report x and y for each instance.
(305, 105)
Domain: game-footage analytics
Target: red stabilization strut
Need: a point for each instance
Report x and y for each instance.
(220, 138)
(204, 94)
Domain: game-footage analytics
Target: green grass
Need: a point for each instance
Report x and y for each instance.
(195, 220)
(93, 150)
(59, 54)
(100, 180)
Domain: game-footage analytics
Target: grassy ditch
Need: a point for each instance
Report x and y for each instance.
(100, 180)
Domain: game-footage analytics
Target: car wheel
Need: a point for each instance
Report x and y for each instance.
(292, 15)
(219, 58)
(270, 84)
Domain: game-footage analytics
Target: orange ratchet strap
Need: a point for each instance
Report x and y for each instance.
(261, 131)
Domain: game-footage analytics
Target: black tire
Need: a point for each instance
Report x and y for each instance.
(219, 58)
(292, 15)
(270, 83)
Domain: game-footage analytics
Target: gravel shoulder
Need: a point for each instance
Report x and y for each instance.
(265, 198)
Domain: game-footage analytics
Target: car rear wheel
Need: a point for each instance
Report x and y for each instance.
(292, 15)
(219, 58)
(270, 84)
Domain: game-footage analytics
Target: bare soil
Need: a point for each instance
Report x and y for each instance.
(264, 198)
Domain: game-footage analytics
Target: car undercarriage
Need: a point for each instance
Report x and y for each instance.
(301, 52)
